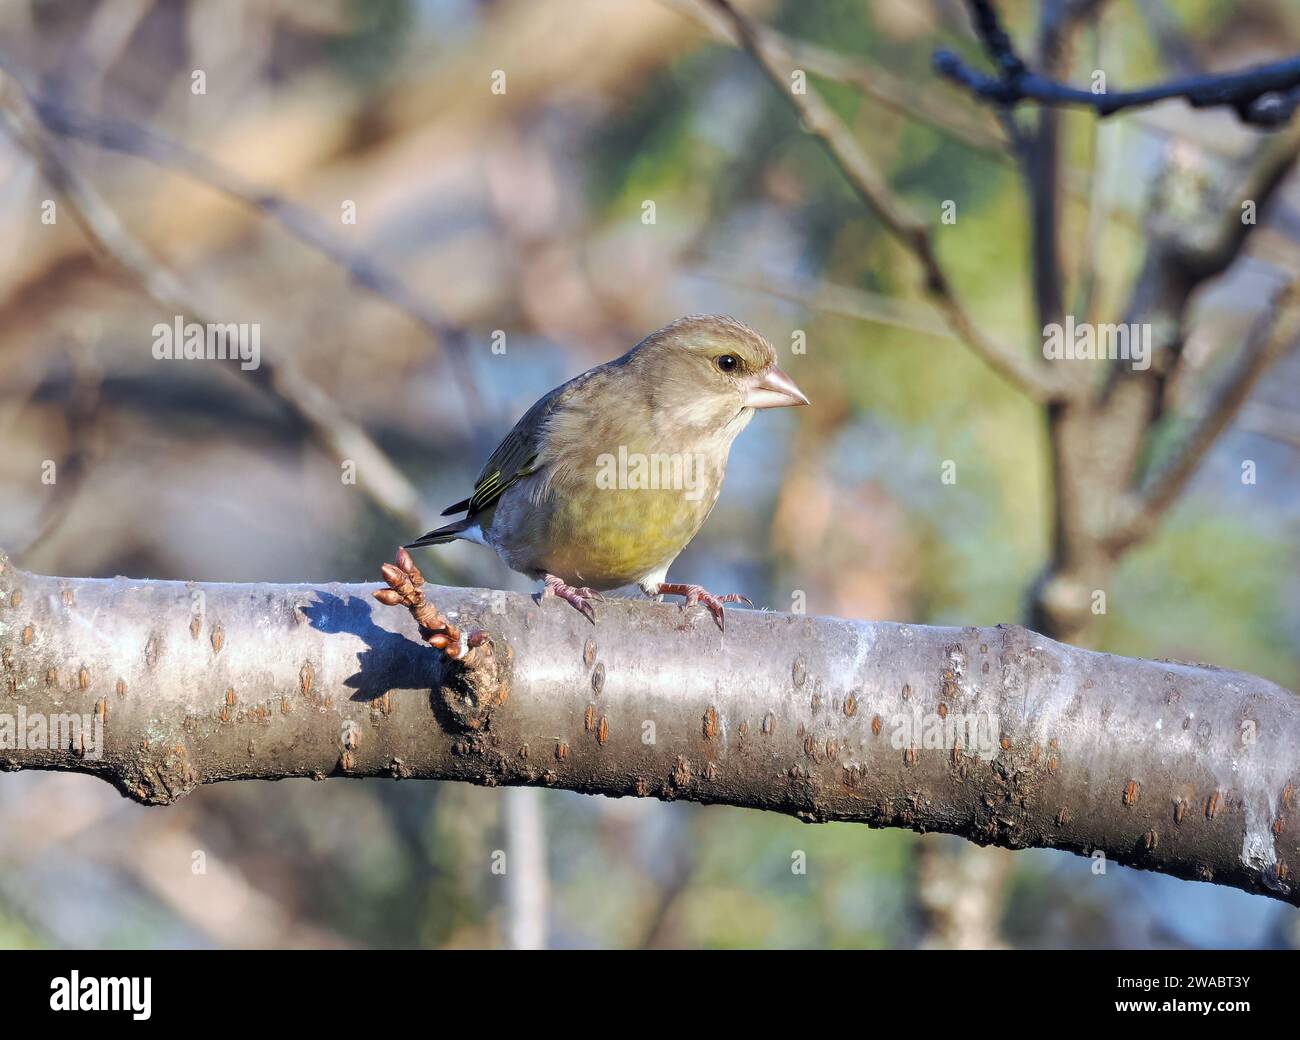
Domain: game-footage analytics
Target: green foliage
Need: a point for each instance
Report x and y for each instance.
(1208, 588)
(650, 149)
(380, 29)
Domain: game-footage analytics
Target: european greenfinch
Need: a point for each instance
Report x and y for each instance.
(607, 478)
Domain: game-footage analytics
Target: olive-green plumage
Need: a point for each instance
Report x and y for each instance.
(608, 477)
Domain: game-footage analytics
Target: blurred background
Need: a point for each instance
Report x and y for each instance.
(502, 243)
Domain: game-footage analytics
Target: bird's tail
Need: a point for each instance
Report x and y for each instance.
(442, 535)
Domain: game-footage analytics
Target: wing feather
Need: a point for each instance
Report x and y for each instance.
(520, 453)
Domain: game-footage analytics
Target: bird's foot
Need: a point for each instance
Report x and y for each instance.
(579, 598)
(697, 594)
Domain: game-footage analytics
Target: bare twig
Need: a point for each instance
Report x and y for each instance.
(978, 129)
(994, 136)
(1264, 96)
(473, 686)
(830, 298)
(406, 589)
(1196, 232)
(872, 188)
(1275, 333)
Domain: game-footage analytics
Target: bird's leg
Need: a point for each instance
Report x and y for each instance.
(579, 598)
(697, 594)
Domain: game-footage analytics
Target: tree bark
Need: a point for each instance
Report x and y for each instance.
(1185, 769)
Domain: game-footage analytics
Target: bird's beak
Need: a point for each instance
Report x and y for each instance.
(777, 390)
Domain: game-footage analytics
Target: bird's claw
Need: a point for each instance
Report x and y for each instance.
(698, 594)
(579, 598)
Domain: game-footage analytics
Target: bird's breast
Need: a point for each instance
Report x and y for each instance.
(609, 518)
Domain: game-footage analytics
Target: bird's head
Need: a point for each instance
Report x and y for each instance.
(710, 370)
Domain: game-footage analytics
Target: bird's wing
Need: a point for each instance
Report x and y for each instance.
(519, 453)
(513, 459)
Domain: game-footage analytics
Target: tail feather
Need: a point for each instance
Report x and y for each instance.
(442, 535)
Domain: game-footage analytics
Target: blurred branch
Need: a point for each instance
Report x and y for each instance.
(105, 35)
(897, 217)
(1275, 333)
(876, 82)
(1277, 424)
(1263, 96)
(830, 298)
(883, 87)
(657, 932)
(960, 894)
(1099, 209)
(221, 902)
(1198, 228)
(1191, 241)
(128, 138)
(320, 416)
(1058, 21)
(183, 683)
(526, 888)
(83, 415)
(973, 918)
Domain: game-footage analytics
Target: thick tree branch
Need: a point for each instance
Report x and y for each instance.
(1098, 444)
(897, 217)
(1264, 95)
(1179, 768)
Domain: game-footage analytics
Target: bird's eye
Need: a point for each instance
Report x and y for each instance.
(726, 362)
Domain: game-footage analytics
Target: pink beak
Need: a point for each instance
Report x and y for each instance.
(777, 390)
